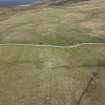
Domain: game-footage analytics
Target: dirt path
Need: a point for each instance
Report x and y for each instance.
(52, 46)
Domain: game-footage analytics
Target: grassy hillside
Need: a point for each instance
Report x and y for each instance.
(52, 76)
(64, 25)
(32, 75)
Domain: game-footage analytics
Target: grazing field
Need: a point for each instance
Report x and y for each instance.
(62, 25)
(52, 76)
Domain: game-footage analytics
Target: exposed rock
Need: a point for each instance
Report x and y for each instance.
(62, 2)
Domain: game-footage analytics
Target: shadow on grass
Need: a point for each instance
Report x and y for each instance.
(98, 64)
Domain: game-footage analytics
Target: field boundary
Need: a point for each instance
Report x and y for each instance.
(52, 46)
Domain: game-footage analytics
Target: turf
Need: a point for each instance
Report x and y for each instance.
(64, 25)
(51, 76)
(32, 75)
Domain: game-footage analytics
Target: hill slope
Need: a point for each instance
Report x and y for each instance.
(48, 75)
(52, 76)
(64, 25)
